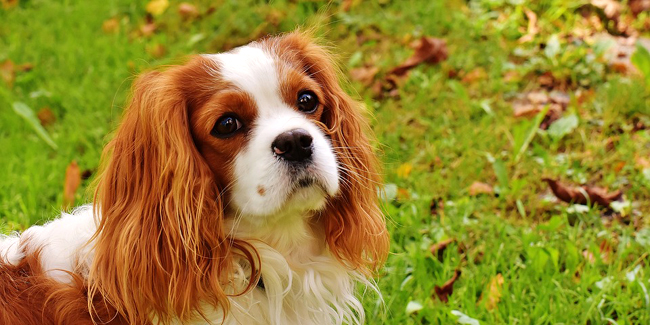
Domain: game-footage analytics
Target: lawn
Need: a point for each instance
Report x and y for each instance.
(529, 90)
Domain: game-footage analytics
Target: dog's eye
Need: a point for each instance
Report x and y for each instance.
(307, 101)
(226, 126)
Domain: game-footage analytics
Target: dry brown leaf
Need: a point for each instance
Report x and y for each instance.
(474, 75)
(7, 72)
(619, 166)
(493, 291)
(187, 10)
(346, 5)
(71, 184)
(638, 6)
(148, 29)
(530, 104)
(611, 8)
(641, 162)
(111, 26)
(532, 26)
(403, 194)
(365, 75)
(606, 250)
(157, 7)
(427, 49)
(8, 4)
(46, 116)
(576, 195)
(437, 207)
(443, 292)
(438, 249)
(480, 188)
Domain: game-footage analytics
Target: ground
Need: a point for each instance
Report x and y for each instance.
(464, 138)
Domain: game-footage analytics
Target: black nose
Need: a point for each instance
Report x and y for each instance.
(294, 145)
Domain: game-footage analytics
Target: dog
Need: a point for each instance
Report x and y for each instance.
(239, 188)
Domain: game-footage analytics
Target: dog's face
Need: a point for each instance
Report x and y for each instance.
(262, 135)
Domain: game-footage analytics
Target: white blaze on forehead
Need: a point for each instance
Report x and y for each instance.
(254, 71)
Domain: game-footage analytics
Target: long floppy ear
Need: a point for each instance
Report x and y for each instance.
(160, 248)
(355, 225)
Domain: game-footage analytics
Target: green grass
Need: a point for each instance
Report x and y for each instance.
(451, 132)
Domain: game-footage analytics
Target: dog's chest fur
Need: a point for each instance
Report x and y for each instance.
(302, 282)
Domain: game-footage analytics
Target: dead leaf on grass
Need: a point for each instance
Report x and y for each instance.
(187, 10)
(641, 162)
(437, 207)
(438, 249)
(638, 6)
(530, 104)
(365, 75)
(46, 116)
(480, 188)
(584, 194)
(427, 50)
(611, 8)
(148, 29)
(443, 292)
(71, 184)
(8, 4)
(111, 26)
(493, 292)
(532, 26)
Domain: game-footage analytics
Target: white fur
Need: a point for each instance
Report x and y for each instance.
(304, 284)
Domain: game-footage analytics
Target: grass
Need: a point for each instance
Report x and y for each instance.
(559, 264)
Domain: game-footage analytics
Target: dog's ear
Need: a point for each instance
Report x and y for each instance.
(355, 225)
(160, 247)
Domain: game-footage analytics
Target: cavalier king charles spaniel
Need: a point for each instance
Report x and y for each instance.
(240, 188)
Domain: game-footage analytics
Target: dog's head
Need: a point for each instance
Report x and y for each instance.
(257, 133)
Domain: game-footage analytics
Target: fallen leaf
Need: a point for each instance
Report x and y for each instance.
(404, 170)
(427, 49)
(584, 194)
(480, 188)
(111, 26)
(464, 319)
(403, 194)
(46, 116)
(71, 184)
(7, 72)
(438, 249)
(148, 29)
(157, 7)
(86, 174)
(493, 291)
(8, 4)
(611, 8)
(641, 162)
(437, 207)
(529, 104)
(187, 10)
(638, 6)
(474, 76)
(365, 75)
(443, 292)
(605, 251)
(532, 26)
(619, 166)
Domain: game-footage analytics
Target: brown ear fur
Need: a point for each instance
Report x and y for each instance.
(160, 247)
(355, 226)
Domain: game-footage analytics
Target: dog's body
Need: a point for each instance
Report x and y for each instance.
(239, 189)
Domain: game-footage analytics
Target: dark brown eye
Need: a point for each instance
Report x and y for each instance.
(307, 101)
(226, 126)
